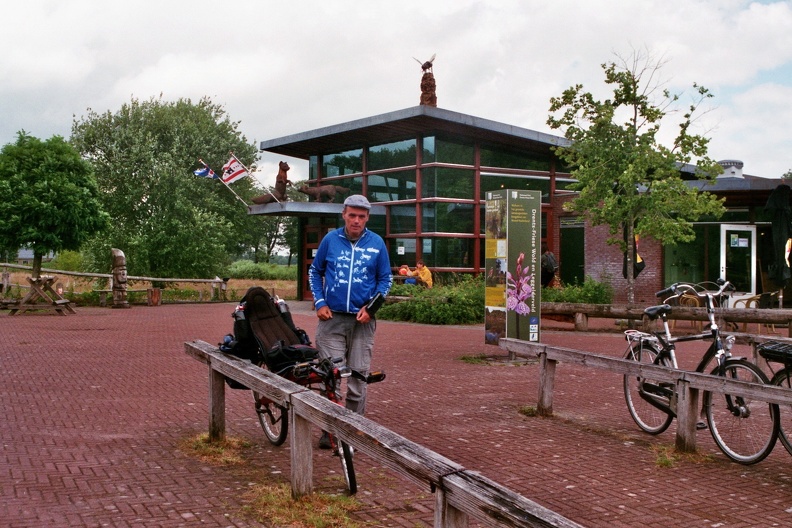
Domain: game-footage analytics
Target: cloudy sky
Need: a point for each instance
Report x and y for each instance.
(281, 68)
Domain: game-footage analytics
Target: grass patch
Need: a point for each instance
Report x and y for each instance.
(225, 453)
(273, 504)
(528, 410)
(479, 359)
(666, 456)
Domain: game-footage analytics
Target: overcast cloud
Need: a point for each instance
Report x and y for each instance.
(281, 68)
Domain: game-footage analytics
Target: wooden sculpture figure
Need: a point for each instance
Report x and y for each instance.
(119, 279)
(319, 193)
(428, 85)
(279, 193)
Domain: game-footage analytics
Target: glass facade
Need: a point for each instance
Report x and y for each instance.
(443, 223)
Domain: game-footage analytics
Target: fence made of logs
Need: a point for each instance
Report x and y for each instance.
(460, 494)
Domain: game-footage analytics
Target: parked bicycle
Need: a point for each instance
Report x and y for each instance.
(778, 352)
(323, 376)
(744, 429)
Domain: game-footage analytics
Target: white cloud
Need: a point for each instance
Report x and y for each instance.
(282, 68)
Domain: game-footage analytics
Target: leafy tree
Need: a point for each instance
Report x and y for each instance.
(626, 178)
(50, 197)
(168, 222)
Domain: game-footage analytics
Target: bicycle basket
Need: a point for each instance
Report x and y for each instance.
(282, 356)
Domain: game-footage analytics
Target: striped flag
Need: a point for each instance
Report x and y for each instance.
(233, 171)
(205, 172)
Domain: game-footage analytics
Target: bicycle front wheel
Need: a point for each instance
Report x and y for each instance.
(273, 418)
(345, 452)
(743, 428)
(648, 401)
(784, 379)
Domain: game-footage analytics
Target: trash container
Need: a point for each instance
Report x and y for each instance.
(154, 296)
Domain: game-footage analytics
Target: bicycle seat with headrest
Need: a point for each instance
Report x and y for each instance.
(266, 321)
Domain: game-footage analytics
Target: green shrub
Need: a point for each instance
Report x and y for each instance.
(247, 269)
(590, 292)
(66, 261)
(462, 303)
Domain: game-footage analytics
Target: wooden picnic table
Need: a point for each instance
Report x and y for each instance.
(42, 296)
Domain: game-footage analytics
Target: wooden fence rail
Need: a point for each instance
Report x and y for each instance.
(582, 312)
(688, 384)
(460, 494)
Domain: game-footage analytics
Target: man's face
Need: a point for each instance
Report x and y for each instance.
(355, 219)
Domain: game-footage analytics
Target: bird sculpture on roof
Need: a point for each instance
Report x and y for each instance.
(426, 66)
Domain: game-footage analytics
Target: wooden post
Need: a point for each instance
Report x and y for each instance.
(581, 322)
(446, 516)
(216, 405)
(547, 369)
(301, 455)
(687, 416)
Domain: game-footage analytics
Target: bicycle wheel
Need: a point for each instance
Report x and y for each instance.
(273, 418)
(743, 428)
(647, 399)
(345, 453)
(784, 379)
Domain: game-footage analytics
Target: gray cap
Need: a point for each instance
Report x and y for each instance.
(357, 200)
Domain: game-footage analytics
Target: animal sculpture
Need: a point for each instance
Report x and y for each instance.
(279, 193)
(322, 193)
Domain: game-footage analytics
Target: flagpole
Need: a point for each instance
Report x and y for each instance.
(248, 171)
(224, 183)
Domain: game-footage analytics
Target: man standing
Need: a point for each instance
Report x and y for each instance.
(350, 268)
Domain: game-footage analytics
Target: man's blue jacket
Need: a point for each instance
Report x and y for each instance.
(346, 275)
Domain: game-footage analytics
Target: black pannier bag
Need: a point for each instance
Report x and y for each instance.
(242, 343)
(281, 356)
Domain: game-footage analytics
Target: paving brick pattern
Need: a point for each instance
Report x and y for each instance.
(93, 407)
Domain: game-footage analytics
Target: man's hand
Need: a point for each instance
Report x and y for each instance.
(324, 313)
(362, 316)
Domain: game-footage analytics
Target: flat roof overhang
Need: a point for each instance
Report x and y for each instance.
(406, 124)
(305, 209)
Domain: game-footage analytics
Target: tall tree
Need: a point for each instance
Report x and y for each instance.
(50, 198)
(167, 221)
(626, 178)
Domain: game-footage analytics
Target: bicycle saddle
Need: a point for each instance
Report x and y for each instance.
(653, 312)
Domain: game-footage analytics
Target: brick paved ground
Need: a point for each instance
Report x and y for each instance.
(93, 407)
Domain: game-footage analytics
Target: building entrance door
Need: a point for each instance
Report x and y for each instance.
(738, 256)
(313, 231)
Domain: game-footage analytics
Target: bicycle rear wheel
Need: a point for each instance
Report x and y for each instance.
(273, 418)
(646, 398)
(744, 429)
(784, 379)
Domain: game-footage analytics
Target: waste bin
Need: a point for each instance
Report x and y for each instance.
(154, 296)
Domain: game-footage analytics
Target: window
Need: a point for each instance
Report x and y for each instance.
(505, 159)
(444, 151)
(448, 252)
(447, 217)
(349, 162)
(392, 155)
(402, 251)
(402, 219)
(392, 186)
(447, 183)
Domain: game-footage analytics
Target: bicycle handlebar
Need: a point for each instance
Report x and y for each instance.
(679, 288)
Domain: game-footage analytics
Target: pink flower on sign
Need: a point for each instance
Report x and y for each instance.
(518, 288)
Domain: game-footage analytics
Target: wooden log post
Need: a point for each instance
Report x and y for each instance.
(547, 368)
(301, 455)
(216, 405)
(446, 515)
(687, 416)
(581, 322)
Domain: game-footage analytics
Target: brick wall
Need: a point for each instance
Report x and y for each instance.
(604, 263)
